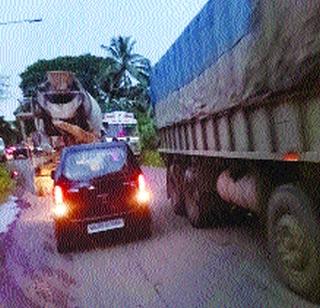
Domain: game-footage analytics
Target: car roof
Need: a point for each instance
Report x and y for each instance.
(98, 145)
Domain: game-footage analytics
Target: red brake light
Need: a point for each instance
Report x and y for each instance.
(60, 209)
(58, 195)
(143, 194)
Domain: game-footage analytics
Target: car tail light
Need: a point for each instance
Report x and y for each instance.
(142, 182)
(143, 195)
(60, 208)
(58, 195)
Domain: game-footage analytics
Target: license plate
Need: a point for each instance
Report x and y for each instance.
(105, 226)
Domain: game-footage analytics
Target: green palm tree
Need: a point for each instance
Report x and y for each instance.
(128, 65)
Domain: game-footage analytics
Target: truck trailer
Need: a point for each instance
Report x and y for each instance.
(123, 126)
(237, 105)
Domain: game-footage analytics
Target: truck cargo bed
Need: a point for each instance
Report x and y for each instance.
(285, 126)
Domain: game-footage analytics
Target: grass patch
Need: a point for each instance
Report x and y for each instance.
(152, 159)
(6, 184)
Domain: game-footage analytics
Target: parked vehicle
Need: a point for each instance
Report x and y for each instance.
(44, 149)
(99, 188)
(237, 104)
(2, 150)
(17, 151)
(9, 152)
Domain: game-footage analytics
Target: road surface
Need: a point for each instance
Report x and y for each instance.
(177, 267)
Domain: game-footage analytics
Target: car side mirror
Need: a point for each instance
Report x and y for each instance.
(53, 173)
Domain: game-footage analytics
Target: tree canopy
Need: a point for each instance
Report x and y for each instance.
(126, 85)
(87, 68)
(9, 133)
(118, 82)
(3, 86)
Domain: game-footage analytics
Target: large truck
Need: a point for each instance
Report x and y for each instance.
(64, 114)
(237, 105)
(123, 126)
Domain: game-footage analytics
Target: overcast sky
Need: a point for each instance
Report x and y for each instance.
(75, 27)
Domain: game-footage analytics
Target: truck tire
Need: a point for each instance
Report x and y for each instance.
(175, 188)
(197, 200)
(294, 240)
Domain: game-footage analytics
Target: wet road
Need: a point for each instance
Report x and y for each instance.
(177, 267)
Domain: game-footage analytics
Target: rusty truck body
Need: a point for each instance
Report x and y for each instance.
(237, 104)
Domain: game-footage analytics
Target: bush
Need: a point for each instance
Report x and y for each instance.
(6, 184)
(148, 134)
(152, 159)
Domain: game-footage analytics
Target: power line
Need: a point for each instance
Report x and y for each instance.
(20, 21)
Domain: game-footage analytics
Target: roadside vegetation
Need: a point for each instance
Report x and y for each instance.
(6, 184)
(152, 158)
(149, 142)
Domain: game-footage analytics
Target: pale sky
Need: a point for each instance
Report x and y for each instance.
(75, 27)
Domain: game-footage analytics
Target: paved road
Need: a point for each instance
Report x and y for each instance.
(177, 267)
(25, 180)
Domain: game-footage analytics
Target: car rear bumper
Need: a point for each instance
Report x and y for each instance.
(132, 220)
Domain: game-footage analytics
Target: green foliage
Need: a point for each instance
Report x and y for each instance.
(118, 82)
(127, 82)
(3, 86)
(152, 159)
(87, 69)
(9, 134)
(147, 130)
(6, 184)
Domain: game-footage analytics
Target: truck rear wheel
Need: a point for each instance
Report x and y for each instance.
(294, 240)
(175, 188)
(197, 200)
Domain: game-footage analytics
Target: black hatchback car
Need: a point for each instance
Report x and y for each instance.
(98, 188)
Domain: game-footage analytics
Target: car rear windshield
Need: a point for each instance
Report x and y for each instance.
(91, 163)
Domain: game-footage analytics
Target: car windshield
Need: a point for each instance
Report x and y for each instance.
(90, 163)
(120, 130)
